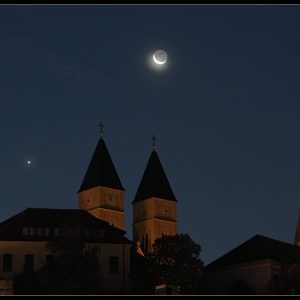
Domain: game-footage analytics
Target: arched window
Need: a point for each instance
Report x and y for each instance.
(146, 242)
(143, 243)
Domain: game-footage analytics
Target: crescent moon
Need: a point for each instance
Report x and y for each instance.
(157, 61)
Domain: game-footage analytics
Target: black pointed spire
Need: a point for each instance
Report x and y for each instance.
(101, 170)
(154, 182)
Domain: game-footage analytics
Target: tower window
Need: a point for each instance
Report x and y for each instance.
(31, 231)
(143, 243)
(7, 262)
(114, 264)
(146, 242)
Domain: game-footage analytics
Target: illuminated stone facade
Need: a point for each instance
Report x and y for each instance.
(152, 218)
(154, 206)
(104, 203)
(101, 192)
(27, 234)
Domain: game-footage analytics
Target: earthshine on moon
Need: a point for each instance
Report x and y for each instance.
(160, 57)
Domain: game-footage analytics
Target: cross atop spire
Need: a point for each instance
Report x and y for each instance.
(154, 182)
(153, 143)
(101, 129)
(101, 170)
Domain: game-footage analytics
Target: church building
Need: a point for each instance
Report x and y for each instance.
(101, 192)
(154, 205)
(261, 265)
(100, 221)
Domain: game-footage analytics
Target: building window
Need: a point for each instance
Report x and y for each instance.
(101, 233)
(31, 231)
(114, 264)
(25, 230)
(56, 231)
(98, 250)
(7, 262)
(39, 231)
(47, 231)
(29, 262)
(49, 259)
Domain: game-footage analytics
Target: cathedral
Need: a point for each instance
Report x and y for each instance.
(154, 205)
(99, 220)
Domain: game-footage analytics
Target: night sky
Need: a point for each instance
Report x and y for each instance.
(225, 110)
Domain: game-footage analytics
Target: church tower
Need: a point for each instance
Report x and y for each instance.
(154, 205)
(101, 192)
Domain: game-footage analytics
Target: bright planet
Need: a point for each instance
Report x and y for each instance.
(160, 57)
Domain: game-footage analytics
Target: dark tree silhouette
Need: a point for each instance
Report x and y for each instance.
(175, 261)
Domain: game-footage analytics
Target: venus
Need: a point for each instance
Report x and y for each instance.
(160, 57)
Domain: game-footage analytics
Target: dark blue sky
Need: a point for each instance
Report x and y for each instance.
(225, 110)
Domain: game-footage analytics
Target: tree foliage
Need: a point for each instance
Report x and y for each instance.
(73, 270)
(175, 261)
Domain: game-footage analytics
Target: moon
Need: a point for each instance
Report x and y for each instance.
(160, 57)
